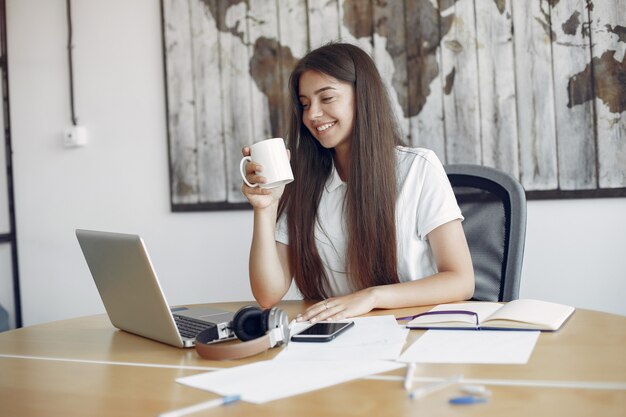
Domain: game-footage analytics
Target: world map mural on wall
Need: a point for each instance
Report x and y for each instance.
(537, 88)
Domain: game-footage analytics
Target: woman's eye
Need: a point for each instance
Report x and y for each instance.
(327, 99)
(304, 106)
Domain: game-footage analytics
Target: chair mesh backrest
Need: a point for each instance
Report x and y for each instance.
(486, 203)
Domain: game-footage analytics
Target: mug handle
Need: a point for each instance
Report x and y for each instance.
(244, 161)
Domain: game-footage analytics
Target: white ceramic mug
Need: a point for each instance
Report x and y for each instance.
(272, 155)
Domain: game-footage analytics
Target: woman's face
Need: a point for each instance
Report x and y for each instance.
(327, 109)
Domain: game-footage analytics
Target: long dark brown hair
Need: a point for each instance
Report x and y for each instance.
(371, 184)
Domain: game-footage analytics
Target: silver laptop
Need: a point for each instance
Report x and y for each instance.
(132, 295)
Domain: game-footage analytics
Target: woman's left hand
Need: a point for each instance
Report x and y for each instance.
(339, 308)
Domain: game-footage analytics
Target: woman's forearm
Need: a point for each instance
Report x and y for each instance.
(269, 274)
(443, 287)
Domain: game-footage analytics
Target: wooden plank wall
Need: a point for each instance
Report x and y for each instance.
(535, 88)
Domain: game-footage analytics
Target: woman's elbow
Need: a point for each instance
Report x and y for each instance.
(469, 285)
(266, 301)
(265, 305)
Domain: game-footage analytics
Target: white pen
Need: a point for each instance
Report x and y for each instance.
(201, 406)
(480, 390)
(435, 386)
(408, 378)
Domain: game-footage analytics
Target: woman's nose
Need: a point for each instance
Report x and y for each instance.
(315, 111)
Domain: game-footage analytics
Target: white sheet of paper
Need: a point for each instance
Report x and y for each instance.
(371, 338)
(472, 346)
(264, 381)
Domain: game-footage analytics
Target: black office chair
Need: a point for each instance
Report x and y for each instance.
(494, 206)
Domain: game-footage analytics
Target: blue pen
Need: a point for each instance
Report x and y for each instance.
(468, 399)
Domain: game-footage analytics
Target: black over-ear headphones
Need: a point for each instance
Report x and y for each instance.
(257, 329)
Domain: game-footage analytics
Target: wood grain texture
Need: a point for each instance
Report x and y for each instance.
(181, 103)
(425, 28)
(356, 24)
(533, 88)
(461, 99)
(292, 19)
(294, 42)
(496, 75)
(264, 68)
(323, 21)
(571, 53)
(608, 35)
(208, 100)
(389, 54)
(535, 95)
(236, 86)
(62, 376)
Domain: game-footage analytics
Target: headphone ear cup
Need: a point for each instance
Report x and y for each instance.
(248, 323)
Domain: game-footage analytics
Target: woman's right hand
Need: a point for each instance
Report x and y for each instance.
(258, 197)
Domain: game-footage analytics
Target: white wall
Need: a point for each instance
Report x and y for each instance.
(576, 253)
(576, 249)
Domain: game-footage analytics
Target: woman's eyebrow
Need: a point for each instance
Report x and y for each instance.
(324, 89)
(319, 91)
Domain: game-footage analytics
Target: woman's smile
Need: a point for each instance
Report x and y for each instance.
(324, 127)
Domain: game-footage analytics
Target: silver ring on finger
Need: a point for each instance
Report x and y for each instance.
(326, 304)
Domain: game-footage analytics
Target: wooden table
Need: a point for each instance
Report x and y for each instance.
(86, 367)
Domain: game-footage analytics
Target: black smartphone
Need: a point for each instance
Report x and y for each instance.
(322, 332)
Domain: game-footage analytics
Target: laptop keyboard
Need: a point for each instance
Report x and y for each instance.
(189, 327)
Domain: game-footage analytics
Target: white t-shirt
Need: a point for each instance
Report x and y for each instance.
(425, 202)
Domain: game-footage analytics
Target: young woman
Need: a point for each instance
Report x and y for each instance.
(367, 223)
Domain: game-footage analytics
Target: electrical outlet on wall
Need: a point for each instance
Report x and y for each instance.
(75, 137)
